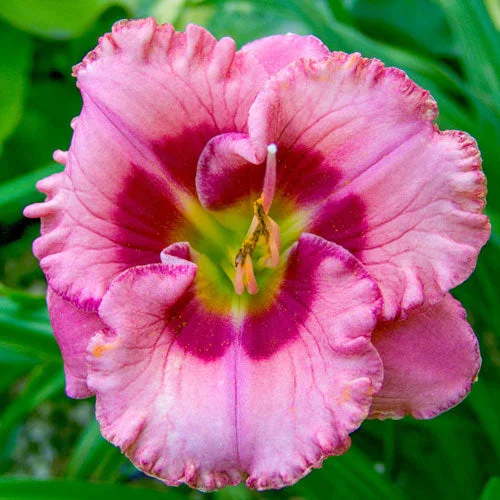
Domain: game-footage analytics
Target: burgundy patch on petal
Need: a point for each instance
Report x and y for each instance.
(246, 184)
(202, 333)
(229, 171)
(179, 155)
(315, 270)
(266, 334)
(306, 176)
(225, 176)
(343, 221)
(148, 214)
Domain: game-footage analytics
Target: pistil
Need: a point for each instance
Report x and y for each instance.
(261, 226)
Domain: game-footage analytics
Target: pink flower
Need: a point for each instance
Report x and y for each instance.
(239, 240)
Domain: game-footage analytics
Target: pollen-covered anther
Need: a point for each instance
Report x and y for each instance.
(261, 225)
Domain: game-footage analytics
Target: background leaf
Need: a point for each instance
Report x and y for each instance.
(14, 68)
(25, 326)
(24, 489)
(492, 489)
(16, 193)
(56, 19)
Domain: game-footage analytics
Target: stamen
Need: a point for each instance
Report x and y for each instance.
(274, 242)
(252, 286)
(261, 225)
(245, 274)
(239, 285)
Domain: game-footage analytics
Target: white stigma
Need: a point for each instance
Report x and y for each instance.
(270, 177)
(272, 149)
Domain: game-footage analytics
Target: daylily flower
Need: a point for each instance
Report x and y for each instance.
(250, 252)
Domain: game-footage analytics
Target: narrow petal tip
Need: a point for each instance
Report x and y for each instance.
(61, 157)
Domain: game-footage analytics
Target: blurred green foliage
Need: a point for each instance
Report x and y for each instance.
(451, 47)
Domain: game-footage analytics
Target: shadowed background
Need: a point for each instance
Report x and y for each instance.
(50, 446)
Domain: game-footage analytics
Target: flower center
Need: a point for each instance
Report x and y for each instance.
(232, 255)
(262, 226)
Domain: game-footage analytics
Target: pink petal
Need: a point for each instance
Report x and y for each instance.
(167, 405)
(229, 170)
(169, 92)
(152, 99)
(358, 150)
(73, 329)
(207, 398)
(97, 226)
(276, 52)
(430, 361)
(308, 368)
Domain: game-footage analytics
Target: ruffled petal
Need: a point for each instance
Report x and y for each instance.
(169, 92)
(307, 368)
(73, 328)
(206, 398)
(152, 99)
(97, 226)
(165, 394)
(381, 180)
(430, 361)
(421, 237)
(277, 51)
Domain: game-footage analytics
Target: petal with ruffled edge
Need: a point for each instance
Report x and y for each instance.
(152, 100)
(359, 154)
(430, 361)
(277, 51)
(268, 397)
(73, 328)
(297, 405)
(169, 92)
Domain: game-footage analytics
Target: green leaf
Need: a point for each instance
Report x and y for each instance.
(15, 61)
(15, 194)
(11, 371)
(479, 45)
(93, 457)
(339, 36)
(25, 326)
(485, 402)
(45, 124)
(14, 366)
(491, 490)
(352, 475)
(240, 492)
(57, 19)
(30, 489)
(44, 382)
(340, 12)
(387, 20)
(164, 11)
(493, 7)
